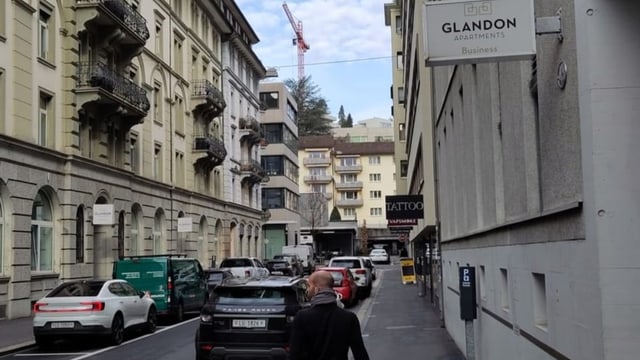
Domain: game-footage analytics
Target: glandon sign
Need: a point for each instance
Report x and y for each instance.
(462, 32)
(404, 207)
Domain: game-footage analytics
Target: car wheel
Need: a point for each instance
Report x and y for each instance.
(180, 313)
(44, 342)
(117, 330)
(152, 320)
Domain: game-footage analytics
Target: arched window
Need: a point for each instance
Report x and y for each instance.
(158, 232)
(41, 234)
(135, 230)
(121, 235)
(80, 235)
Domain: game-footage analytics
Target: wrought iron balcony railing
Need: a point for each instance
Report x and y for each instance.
(97, 75)
(215, 150)
(127, 14)
(214, 101)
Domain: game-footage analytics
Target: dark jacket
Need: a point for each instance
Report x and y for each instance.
(326, 332)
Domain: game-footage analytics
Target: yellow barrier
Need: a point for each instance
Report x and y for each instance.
(408, 272)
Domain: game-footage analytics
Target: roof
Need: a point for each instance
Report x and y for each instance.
(344, 148)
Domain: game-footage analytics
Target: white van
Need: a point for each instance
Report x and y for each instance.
(305, 252)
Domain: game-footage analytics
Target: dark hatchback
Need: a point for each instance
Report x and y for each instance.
(279, 267)
(250, 319)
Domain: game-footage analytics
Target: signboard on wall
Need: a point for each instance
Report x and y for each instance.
(463, 31)
(404, 207)
(103, 214)
(185, 224)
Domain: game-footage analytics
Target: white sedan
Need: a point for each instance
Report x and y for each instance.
(380, 256)
(92, 307)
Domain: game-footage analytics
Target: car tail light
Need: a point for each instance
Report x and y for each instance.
(169, 283)
(37, 306)
(361, 271)
(95, 305)
(206, 347)
(287, 348)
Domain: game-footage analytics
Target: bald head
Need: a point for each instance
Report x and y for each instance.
(321, 280)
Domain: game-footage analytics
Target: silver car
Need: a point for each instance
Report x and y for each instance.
(92, 307)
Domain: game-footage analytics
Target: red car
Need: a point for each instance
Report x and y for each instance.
(344, 283)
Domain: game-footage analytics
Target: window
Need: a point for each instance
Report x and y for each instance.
(158, 232)
(402, 134)
(45, 34)
(205, 29)
(179, 110)
(134, 153)
(348, 178)
(41, 234)
(272, 198)
(45, 115)
(292, 114)
(404, 168)
(349, 161)
(375, 211)
(157, 162)
(177, 7)
(349, 195)
(135, 230)
(504, 289)
(374, 160)
(177, 53)
(157, 103)
(194, 65)
(317, 155)
(375, 194)
(375, 177)
(269, 100)
(158, 38)
(350, 212)
(80, 235)
(540, 300)
(398, 24)
(179, 170)
(399, 60)
(273, 165)
(205, 68)
(319, 188)
(401, 95)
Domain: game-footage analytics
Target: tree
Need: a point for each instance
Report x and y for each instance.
(313, 110)
(313, 210)
(349, 122)
(341, 117)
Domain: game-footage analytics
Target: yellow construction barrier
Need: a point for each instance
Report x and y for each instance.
(408, 272)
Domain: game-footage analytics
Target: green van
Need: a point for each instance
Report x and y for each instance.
(176, 283)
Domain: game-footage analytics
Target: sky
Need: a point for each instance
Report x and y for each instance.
(338, 32)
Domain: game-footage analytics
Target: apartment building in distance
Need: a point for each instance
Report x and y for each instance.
(536, 167)
(354, 178)
(111, 140)
(367, 130)
(280, 195)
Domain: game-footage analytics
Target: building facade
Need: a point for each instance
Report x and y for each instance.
(536, 180)
(243, 173)
(280, 195)
(367, 130)
(354, 178)
(110, 134)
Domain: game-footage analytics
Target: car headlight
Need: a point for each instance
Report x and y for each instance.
(206, 318)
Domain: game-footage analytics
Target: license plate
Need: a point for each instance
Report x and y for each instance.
(277, 273)
(249, 323)
(62, 325)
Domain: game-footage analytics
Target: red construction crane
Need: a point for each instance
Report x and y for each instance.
(299, 40)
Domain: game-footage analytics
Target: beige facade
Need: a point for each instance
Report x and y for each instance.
(367, 130)
(280, 195)
(111, 131)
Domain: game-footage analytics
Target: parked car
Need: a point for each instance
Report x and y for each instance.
(280, 267)
(380, 256)
(92, 307)
(344, 284)
(369, 265)
(294, 260)
(176, 283)
(245, 267)
(356, 265)
(250, 319)
(216, 277)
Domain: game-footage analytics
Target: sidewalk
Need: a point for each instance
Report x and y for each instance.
(401, 325)
(16, 334)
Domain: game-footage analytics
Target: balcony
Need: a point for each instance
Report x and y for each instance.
(250, 130)
(252, 172)
(355, 185)
(214, 151)
(100, 90)
(349, 169)
(308, 161)
(116, 22)
(349, 202)
(318, 179)
(208, 99)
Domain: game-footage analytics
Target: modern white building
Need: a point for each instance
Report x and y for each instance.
(536, 172)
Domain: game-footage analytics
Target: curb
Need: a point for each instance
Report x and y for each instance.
(16, 347)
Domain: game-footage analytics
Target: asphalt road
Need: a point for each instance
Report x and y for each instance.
(169, 342)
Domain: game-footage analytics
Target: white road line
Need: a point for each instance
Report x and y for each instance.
(88, 355)
(50, 354)
(400, 327)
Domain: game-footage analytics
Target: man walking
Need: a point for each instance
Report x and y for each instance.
(325, 331)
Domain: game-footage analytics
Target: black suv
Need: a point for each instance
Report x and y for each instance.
(250, 318)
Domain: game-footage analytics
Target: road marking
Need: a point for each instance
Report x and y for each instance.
(88, 355)
(400, 327)
(50, 354)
